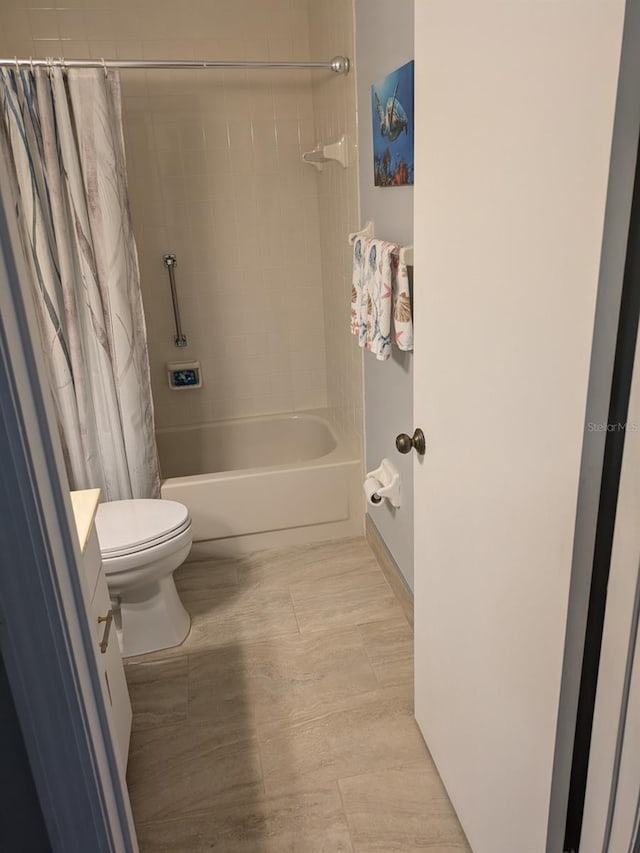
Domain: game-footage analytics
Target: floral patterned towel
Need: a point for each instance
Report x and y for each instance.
(379, 281)
(358, 295)
(402, 305)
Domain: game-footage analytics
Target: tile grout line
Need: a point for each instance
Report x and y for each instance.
(260, 762)
(188, 719)
(293, 607)
(345, 814)
(368, 656)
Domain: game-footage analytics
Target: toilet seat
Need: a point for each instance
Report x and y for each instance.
(124, 569)
(129, 527)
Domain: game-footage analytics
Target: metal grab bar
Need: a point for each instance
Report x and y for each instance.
(171, 262)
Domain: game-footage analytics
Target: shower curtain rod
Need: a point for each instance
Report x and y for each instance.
(339, 64)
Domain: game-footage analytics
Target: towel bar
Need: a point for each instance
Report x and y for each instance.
(405, 252)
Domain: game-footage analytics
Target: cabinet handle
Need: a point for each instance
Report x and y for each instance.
(108, 619)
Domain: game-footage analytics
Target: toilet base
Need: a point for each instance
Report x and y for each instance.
(150, 618)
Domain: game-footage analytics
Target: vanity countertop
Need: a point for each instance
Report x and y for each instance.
(85, 504)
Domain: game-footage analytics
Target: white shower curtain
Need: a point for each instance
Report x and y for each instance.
(63, 134)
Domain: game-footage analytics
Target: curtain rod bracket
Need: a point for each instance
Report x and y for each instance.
(341, 64)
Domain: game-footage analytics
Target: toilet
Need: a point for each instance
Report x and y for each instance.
(142, 543)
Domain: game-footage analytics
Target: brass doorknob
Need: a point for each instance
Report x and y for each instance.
(405, 442)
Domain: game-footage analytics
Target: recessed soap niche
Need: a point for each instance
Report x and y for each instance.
(184, 375)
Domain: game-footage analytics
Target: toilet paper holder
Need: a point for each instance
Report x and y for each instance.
(389, 478)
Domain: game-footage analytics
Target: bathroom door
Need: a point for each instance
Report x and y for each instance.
(514, 111)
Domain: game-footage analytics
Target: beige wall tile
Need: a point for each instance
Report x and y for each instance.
(334, 101)
(44, 24)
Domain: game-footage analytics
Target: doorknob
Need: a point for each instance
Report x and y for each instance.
(405, 442)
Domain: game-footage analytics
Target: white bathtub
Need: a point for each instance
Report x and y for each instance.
(262, 482)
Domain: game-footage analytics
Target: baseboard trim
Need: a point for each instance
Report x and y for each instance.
(390, 569)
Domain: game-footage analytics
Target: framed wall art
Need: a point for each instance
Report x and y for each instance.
(392, 113)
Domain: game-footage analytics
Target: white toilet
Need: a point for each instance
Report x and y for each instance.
(142, 543)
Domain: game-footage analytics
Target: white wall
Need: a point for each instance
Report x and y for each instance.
(384, 42)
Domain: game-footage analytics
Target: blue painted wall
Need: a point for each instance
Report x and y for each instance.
(384, 42)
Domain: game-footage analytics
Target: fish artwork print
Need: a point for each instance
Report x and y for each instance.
(392, 105)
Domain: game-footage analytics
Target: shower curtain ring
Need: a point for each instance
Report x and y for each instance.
(31, 64)
(15, 59)
(104, 67)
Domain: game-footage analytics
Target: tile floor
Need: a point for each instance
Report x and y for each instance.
(284, 722)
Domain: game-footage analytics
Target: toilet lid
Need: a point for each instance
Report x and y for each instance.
(125, 527)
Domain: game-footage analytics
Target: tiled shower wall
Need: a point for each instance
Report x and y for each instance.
(215, 176)
(331, 28)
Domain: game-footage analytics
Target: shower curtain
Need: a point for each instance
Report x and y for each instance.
(62, 131)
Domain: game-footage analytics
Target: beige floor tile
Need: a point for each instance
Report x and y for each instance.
(247, 616)
(298, 673)
(285, 678)
(206, 580)
(311, 822)
(343, 600)
(403, 809)
(180, 770)
(158, 691)
(219, 695)
(389, 645)
(363, 733)
(224, 612)
(306, 563)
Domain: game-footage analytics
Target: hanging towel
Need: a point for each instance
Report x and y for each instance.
(378, 283)
(380, 287)
(402, 305)
(371, 295)
(358, 292)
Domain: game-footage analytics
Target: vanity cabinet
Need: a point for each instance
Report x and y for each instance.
(106, 648)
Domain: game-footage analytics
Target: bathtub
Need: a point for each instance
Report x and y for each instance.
(262, 482)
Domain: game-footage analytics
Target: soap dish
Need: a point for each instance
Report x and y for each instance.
(335, 151)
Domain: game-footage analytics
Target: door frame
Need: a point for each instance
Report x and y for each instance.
(614, 713)
(623, 163)
(45, 636)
